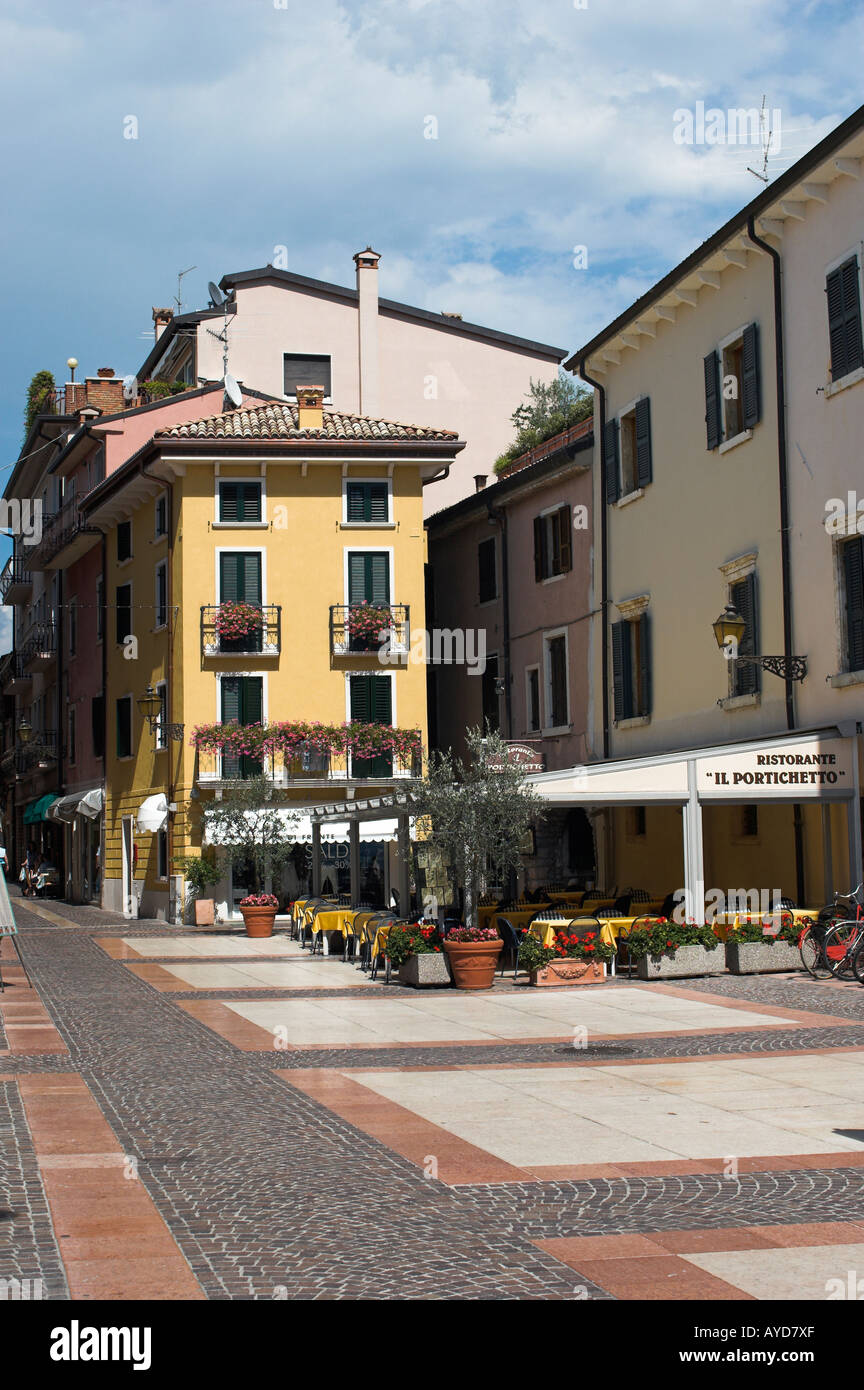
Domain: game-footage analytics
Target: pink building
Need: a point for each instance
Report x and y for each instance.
(510, 575)
(374, 357)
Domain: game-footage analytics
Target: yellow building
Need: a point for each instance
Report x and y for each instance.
(241, 550)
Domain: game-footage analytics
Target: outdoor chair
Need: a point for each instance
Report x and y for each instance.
(512, 939)
(610, 912)
(640, 895)
(623, 952)
(371, 928)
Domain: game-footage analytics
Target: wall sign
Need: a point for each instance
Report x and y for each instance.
(807, 771)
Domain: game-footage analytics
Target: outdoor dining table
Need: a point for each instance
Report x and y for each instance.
(518, 916)
(574, 898)
(610, 927)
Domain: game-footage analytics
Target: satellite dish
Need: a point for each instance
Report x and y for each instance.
(216, 295)
(232, 390)
(130, 388)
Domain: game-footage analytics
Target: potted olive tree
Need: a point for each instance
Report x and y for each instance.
(200, 873)
(256, 830)
(477, 812)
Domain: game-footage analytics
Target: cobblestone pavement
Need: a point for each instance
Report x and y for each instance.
(269, 1193)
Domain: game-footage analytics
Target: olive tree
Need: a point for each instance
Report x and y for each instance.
(252, 827)
(478, 812)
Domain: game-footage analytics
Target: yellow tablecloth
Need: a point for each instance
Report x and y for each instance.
(595, 904)
(574, 898)
(341, 920)
(725, 924)
(610, 928)
(519, 916)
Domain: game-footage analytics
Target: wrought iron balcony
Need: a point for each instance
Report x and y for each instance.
(64, 538)
(358, 628)
(12, 674)
(39, 648)
(310, 767)
(16, 580)
(40, 753)
(263, 639)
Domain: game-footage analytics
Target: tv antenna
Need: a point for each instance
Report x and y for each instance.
(178, 300)
(765, 133)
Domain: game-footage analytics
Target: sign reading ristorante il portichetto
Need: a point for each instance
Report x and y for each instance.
(523, 756)
(805, 770)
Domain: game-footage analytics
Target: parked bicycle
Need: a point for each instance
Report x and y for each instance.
(832, 945)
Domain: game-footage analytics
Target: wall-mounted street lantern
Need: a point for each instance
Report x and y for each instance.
(729, 629)
(24, 730)
(150, 705)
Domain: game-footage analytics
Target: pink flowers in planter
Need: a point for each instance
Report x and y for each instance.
(259, 900)
(290, 738)
(368, 620)
(473, 934)
(234, 619)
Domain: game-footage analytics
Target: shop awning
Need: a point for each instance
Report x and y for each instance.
(64, 808)
(37, 810)
(153, 814)
(91, 803)
(332, 832)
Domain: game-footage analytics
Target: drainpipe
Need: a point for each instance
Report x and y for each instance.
(103, 619)
(499, 515)
(785, 565)
(604, 568)
(169, 674)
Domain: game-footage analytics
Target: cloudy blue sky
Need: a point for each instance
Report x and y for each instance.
(274, 122)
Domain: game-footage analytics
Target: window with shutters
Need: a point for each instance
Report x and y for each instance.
(627, 451)
(371, 702)
(733, 388)
(160, 527)
(532, 699)
(553, 549)
(369, 577)
(242, 701)
(97, 725)
(162, 716)
(852, 558)
(557, 692)
(631, 668)
(240, 502)
(490, 699)
(843, 295)
(303, 369)
(366, 503)
(161, 594)
(487, 575)
(124, 541)
(745, 677)
(123, 718)
(123, 611)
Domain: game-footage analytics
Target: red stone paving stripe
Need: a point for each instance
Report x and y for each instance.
(112, 1240)
(26, 1023)
(685, 1167)
(407, 1134)
(248, 1037)
(157, 976)
(629, 1269)
(117, 949)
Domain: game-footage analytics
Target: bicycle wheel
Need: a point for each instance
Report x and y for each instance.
(858, 962)
(839, 941)
(811, 950)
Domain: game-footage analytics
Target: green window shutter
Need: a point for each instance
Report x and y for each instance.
(230, 686)
(368, 577)
(379, 578)
(124, 727)
(124, 611)
(377, 494)
(610, 459)
(844, 319)
(229, 576)
(743, 597)
(367, 502)
(644, 465)
(713, 423)
(356, 577)
(539, 548)
(565, 532)
(249, 502)
(251, 699)
(853, 570)
(382, 700)
(240, 576)
(251, 591)
(361, 699)
(751, 390)
(558, 715)
(645, 664)
(124, 540)
(356, 502)
(229, 501)
(621, 679)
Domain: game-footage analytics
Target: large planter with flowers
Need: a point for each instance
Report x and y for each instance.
(473, 954)
(760, 945)
(416, 950)
(670, 951)
(259, 914)
(570, 959)
(368, 625)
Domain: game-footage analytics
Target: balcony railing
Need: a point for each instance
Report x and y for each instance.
(12, 673)
(39, 648)
(309, 767)
(263, 640)
(356, 628)
(16, 580)
(40, 752)
(58, 532)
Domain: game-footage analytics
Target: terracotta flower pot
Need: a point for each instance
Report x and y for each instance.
(570, 972)
(258, 921)
(473, 962)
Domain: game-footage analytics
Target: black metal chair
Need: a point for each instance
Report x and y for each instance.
(512, 938)
(622, 949)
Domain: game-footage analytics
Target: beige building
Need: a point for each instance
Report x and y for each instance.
(374, 357)
(725, 420)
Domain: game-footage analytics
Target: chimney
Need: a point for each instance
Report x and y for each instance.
(367, 328)
(310, 407)
(480, 481)
(105, 390)
(161, 320)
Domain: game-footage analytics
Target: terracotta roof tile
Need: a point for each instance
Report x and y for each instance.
(278, 420)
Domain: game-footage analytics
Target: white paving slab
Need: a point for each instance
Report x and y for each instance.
(237, 947)
(803, 1273)
(307, 974)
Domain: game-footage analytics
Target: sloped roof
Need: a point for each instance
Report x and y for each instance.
(279, 420)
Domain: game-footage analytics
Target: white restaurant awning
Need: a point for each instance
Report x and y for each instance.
(300, 829)
(66, 808)
(153, 814)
